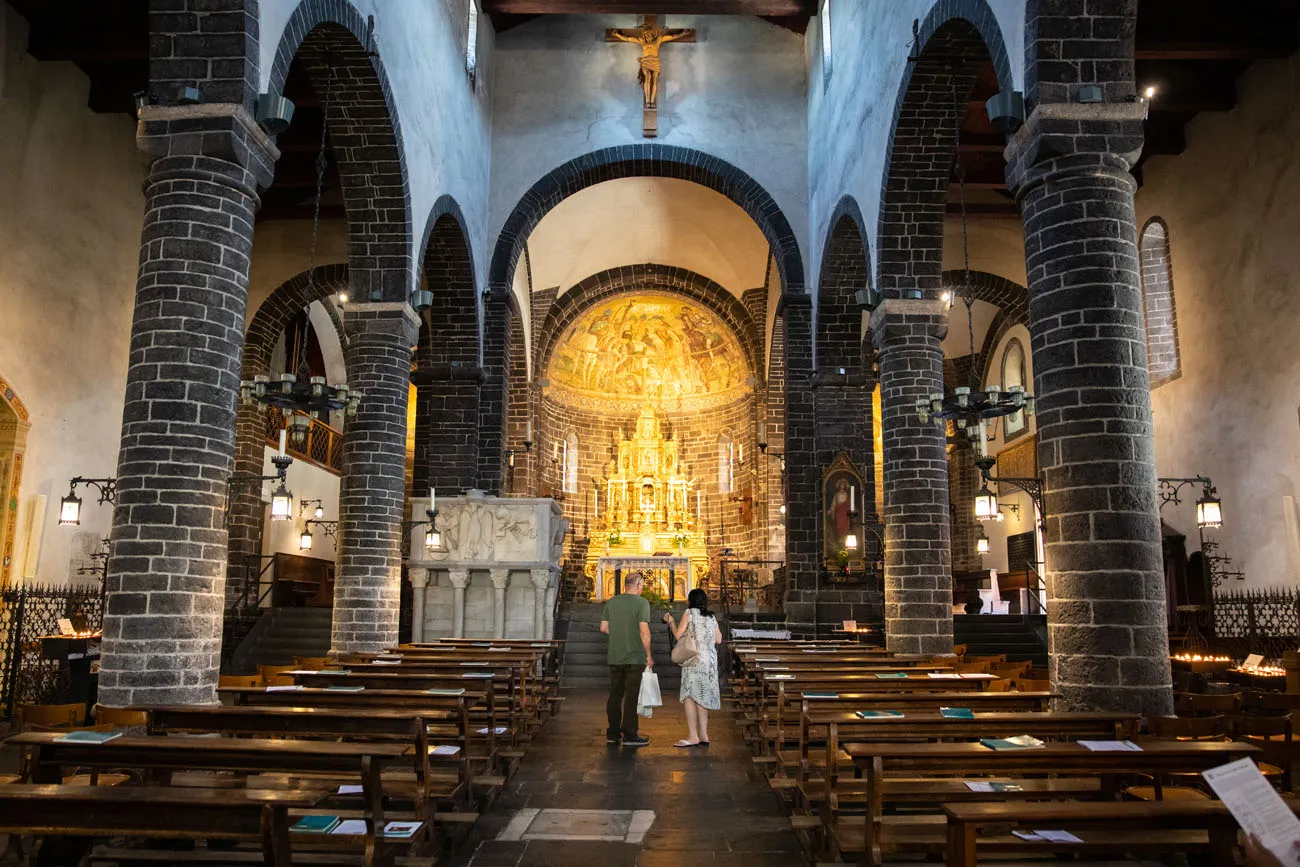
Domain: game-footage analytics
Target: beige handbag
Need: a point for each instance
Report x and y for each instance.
(686, 651)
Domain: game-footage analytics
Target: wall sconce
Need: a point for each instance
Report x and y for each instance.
(282, 498)
(70, 506)
(986, 505)
(433, 536)
(1209, 510)
(304, 541)
(982, 544)
(319, 512)
(70, 510)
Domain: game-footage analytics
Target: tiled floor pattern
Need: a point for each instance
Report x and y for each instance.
(709, 805)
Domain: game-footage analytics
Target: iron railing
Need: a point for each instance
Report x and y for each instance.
(26, 614)
(324, 446)
(1255, 621)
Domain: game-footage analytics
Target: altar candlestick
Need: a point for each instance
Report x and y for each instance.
(528, 431)
(762, 431)
(853, 498)
(283, 434)
(433, 500)
(742, 453)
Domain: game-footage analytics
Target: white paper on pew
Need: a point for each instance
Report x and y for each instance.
(471, 663)
(446, 749)
(817, 651)
(767, 659)
(302, 671)
(500, 649)
(351, 790)
(1257, 807)
(387, 662)
(350, 826)
(1057, 836)
(1111, 746)
(479, 674)
(780, 677)
(975, 675)
(976, 786)
(776, 667)
(944, 675)
(499, 730)
(290, 688)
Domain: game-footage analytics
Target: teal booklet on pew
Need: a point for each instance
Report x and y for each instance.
(315, 824)
(956, 713)
(876, 714)
(1019, 742)
(892, 675)
(87, 737)
(821, 695)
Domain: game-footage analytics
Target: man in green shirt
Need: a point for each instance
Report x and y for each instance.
(626, 620)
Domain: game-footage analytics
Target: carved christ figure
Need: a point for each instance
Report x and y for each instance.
(650, 36)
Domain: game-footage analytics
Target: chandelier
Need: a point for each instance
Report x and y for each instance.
(969, 407)
(300, 395)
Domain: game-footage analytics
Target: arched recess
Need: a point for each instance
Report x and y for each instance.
(1011, 299)
(648, 277)
(14, 426)
(275, 314)
(845, 269)
(334, 44)
(445, 369)
(955, 40)
(1164, 360)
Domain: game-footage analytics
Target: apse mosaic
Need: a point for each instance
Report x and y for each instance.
(649, 348)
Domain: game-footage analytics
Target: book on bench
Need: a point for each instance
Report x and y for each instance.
(1019, 742)
(1039, 836)
(87, 737)
(956, 713)
(876, 714)
(989, 786)
(1111, 746)
(439, 691)
(821, 695)
(341, 688)
(402, 830)
(892, 675)
(316, 824)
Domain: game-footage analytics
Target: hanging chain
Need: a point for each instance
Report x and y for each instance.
(968, 291)
(322, 163)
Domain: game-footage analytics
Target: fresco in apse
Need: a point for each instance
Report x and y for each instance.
(648, 348)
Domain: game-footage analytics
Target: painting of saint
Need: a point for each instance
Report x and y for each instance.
(842, 493)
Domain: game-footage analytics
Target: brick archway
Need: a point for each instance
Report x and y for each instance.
(845, 269)
(1011, 299)
(332, 41)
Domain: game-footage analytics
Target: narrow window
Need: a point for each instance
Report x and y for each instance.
(726, 464)
(570, 468)
(1163, 359)
(471, 41)
(825, 18)
(1013, 374)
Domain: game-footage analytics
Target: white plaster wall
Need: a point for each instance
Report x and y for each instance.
(738, 93)
(282, 251)
(849, 120)
(445, 121)
(1232, 203)
(70, 183)
(661, 220)
(306, 482)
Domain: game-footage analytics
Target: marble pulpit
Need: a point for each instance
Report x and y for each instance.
(494, 572)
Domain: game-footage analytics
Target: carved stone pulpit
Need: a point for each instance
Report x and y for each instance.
(494, 574)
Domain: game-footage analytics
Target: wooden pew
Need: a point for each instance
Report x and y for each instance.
(161, 757)
(871, 838)
(156, 812)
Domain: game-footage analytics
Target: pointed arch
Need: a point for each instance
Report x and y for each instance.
(1164, 359)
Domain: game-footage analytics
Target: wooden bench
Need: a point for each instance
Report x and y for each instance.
(156, 812)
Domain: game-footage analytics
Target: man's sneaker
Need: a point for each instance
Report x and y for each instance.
(638, 741)
(613, 739)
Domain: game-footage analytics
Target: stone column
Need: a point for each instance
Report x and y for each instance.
(500, 581)
(459, 581)
(1069, 167)
(908, 337)
(541, 582)
(419, 581)
(367, 585)
(552, 590)
(803, 557)
(167, 566)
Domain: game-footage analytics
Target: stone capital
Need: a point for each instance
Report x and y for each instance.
(500, 578)
(459, 578)
(793, 298)
(456, 371)
(541, 578)
(419, 577)
(224, 131)
(383, 321)
(904, 319)
(1069, 134)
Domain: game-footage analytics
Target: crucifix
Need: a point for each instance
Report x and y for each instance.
(650, 35)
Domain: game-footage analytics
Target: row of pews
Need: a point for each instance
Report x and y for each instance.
(879, 754)
(371, 759)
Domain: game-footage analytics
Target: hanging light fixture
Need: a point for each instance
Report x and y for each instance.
(969, 406)
(986, 505)
(304, 541)
(282, 503)
(433, 536)
(300, 395)
(1209, 510)
(70, 510)
(982, 544)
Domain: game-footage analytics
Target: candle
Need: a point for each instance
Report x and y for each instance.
(528, 431)
(432, 500)
(762, 432)
(853, 498)
(283, 434)
(742, 453)
(555, 451)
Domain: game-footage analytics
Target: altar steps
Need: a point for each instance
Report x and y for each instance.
(585, 665)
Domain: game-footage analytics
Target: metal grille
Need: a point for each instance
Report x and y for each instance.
(26, 614)
(1256, 621)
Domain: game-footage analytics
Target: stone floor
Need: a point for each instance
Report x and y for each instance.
(710, 806)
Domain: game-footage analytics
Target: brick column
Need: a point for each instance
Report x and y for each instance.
(908, 337)
(167, 568)
(372, 491)
(964, 483)
(803, 557)
(1069, 166)
(498, 319)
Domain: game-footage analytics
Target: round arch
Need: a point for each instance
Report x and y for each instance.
(1011, 299)
(954, 41)
(335, 45)
(646, 160)
(845, 269)
(648, 277)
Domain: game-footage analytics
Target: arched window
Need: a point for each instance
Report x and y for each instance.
(471, 41)
(570, 469)
(1013, 374)
(726, 464)
(825, 18)
(1163, 360)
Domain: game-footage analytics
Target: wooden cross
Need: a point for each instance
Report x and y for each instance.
(650, 36)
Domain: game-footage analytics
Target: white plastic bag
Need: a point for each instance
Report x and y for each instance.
(650, 697)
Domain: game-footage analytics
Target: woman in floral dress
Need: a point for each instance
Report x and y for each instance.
(700, 692)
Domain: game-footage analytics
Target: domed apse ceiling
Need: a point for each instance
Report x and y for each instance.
(647, 348)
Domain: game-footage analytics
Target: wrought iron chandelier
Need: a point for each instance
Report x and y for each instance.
(301, 395)
(968, 407)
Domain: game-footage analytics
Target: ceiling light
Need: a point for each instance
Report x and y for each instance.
(1150, 92)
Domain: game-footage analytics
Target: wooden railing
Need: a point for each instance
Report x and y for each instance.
(324, 446)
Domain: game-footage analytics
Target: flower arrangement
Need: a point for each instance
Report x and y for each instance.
(615, 537)
(680, 538)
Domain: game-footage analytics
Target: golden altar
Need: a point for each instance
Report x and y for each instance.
(646, 513)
